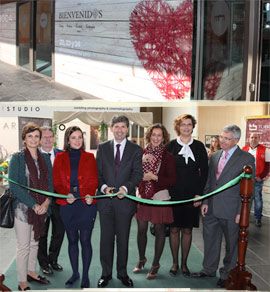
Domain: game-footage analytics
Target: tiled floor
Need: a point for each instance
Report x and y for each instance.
(257, 257)
(258, 252)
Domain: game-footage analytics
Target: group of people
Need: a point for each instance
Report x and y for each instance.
(164, 171)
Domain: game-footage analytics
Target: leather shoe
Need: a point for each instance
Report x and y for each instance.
(221, 283)
(40, 279)
(126, 281)
(258, 223)
(200, 275)
(56, 266)
(104, 281)
(47, 270)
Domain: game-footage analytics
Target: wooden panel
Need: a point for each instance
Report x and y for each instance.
(93, 46)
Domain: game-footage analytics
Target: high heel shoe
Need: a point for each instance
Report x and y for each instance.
(152, 273)
(139, 266)
(174, 272)
(25, 289)
(69, 283)
(185, 271)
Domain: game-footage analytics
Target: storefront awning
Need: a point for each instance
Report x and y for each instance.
(143, 119)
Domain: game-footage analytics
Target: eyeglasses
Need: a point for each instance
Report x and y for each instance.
(225, 138)
(47, 137)
(186, 125)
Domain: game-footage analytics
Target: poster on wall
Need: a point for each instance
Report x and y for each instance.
(261, 125)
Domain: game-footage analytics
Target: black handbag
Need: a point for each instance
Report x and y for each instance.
(167, 230)
(6, 209)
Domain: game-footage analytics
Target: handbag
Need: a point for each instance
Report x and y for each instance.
(167, 230)
(6, 209)
(162, 195)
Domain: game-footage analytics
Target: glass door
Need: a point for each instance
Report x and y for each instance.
(43, 37)
(24, 38)
(223, 50)
(265, 53)
(34, 34)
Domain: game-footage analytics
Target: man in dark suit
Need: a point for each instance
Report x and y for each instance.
(221, 212)
(48, 262)
(119, 163)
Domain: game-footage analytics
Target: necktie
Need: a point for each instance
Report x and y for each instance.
(117, 157)
(221, 164)
(50, 156)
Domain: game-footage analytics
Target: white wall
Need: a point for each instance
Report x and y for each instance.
(9, 134)
(8, 33)
(169, 114)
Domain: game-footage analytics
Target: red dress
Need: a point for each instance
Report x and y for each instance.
(167, 177)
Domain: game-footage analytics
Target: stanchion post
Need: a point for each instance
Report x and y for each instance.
(2, 286)
(240, 278)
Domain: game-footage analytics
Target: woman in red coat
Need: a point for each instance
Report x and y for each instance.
(75, 174)
(159, 173)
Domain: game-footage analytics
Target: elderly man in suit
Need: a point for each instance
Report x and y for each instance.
(48, 262)
(119, 163)
(221, 212)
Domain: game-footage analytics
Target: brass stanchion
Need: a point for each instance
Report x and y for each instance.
(240, 278)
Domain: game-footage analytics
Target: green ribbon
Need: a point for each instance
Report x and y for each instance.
(140, 200)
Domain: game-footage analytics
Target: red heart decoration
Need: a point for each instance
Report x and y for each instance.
(162, 38)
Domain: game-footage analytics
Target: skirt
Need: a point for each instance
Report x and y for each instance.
(185, 215)
(78, 216)
(154, 214)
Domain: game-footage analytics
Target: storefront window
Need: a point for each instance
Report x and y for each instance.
(265, 65)
(24, 34)
(223, 50)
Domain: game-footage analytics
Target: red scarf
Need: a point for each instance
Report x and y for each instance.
(152, 165)
(41, 183)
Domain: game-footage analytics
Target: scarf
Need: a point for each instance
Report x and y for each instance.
(41, 183)
(186, 150)
(152, 165)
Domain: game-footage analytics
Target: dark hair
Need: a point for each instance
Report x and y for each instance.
(68, 132)
(29, 128)
(119, 119)
(47, 128)
(180, 119)
(165, 133)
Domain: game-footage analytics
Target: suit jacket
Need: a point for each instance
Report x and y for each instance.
(129, 174)
(87, 175)
(226, 204)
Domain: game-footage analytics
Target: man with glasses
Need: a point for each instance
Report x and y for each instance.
(262, 158)
(221, 212)
(48, 262)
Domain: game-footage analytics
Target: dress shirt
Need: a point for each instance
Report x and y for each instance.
(121, 149)
(52, 156)
(230, 153)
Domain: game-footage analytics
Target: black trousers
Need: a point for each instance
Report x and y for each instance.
(58, 232)
(115, 226)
